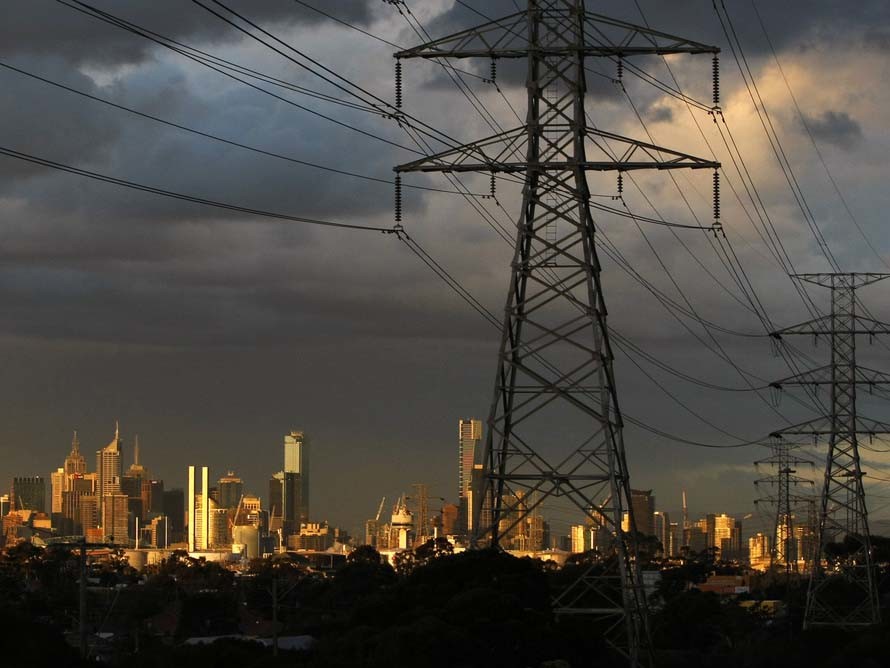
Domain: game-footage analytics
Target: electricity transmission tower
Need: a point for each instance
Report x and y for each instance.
(784, 551)
(843, 588)
(555, 429)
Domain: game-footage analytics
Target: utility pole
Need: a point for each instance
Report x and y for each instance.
(784, 551)
(841, 594)
(555, 429)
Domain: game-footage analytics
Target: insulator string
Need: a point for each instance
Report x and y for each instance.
(716, 80)
(398, 202)
(399, 84)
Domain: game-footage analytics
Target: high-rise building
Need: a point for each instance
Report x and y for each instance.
(295, 489)
(5, 505)
(109, 470)
(675, 538)
(231, 488)
(276, 497)
(198, 509)
(115, 518)
(469, 434)
(75, 464)
(643, 504)
(58, 485)
(29, 493)
(79, 486)
(662, 530)
(173, 508)
(450, 519)
(156, 497)
(759, 551)
(89, 516)
(725, 534)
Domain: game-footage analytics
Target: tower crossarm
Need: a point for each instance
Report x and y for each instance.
(857, 280)
(507, 37)
(611, 152)
(823, 325)
(823, 427)
(823, 376)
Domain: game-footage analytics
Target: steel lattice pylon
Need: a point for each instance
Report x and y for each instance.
(555, 430)
(784, 552)
(843, 587)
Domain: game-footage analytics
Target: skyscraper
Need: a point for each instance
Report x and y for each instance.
(75, 464)
(58, 486)
(29, 493)
(276, 494)
(295, 491)
(469, 435)
(643, 504)
(109, 470)
(198, 510)
(231, 488)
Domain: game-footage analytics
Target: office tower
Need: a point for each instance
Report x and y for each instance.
(58, 485)
(295, 489)
(276, 495)
(198, 510)
(115, 518)
(135, 485)
(75, 464)
(29, 493)
(79, 486)
(469, 434)
(173, 508)
(759, 551)
(662, 531)
(643, 504)
(160, 531)
(697, 536)
(450, 519)
(724, 533)
(109, 469)
(211, 524)
(89, 517)
(5, 505)
(231, 488)
(676, 538)
(156, 497)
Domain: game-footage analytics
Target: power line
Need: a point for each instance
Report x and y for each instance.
(157, 39)
(182, 196)
(223, 139)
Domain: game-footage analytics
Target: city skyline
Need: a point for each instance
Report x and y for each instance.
(352, 519)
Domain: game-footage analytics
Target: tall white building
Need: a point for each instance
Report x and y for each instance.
(198, 508)
(295, 486)
(109, 469)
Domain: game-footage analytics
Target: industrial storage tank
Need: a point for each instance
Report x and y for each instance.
(248, 537)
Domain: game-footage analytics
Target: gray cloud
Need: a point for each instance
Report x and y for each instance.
(46, 27)
(835, 127)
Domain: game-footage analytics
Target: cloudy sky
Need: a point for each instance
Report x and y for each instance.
(211, 333)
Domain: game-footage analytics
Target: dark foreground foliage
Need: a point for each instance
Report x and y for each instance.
(436, 609)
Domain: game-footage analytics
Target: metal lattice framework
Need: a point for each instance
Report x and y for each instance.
(555, 430)
(784, 551)
(843, 588)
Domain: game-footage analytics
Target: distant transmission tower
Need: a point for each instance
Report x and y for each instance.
(784, 552)
(555, 430)
(843, 588)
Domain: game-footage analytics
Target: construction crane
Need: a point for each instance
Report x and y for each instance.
(380, 509)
